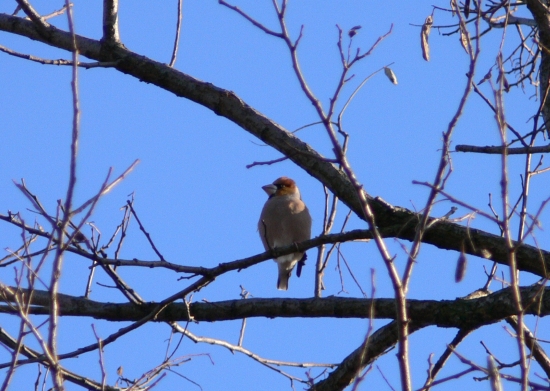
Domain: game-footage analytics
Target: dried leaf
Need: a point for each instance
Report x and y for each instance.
(467, 8)
(461, 267)
(464, 41)
(424, 35)
(79, 237)
(353, 31)
(486, 77)
(452, 4)
(505, 84)
(389, 73)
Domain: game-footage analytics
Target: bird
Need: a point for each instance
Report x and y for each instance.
(284, 220)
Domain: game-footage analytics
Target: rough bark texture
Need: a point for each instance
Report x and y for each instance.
(459, 313)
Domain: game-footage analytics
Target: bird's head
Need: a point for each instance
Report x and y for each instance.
(282, 187)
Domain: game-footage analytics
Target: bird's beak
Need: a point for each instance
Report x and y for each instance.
(270, 189)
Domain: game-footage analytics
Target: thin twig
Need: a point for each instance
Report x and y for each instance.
(178, 33)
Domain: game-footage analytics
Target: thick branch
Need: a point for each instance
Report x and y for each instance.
(110, 21)
(459, 313)
(373, 347)
(499, 150)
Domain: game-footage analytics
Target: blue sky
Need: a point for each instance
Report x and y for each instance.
(200, 203)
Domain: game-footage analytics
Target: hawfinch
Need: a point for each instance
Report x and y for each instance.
(284, 220)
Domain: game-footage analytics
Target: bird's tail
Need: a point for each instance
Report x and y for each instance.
(285, 264)
(282, 281)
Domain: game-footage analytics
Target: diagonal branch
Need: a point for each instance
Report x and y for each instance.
(72, 377)
(444, 234)
(448, 236)
(34, 16)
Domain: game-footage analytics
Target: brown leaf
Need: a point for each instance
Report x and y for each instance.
(353, 31)
(505, 84)
(424, 35)
(467, 8)
(464, 41)
(461, 267)
(486, 77)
